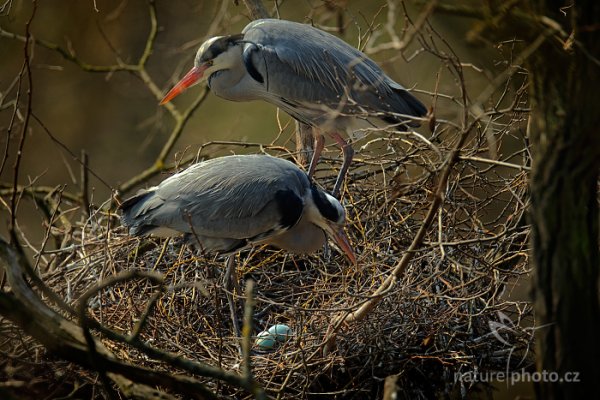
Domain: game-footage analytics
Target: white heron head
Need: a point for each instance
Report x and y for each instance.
(327, 213)
(215, 54)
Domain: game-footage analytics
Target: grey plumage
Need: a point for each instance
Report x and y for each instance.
(286, 48)
(232, 202)
(314, 76)
(307, 72)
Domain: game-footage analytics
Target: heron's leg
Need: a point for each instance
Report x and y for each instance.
(233, 279)
(348, 153)
(305, 143)
(319, 144)
(229, 273)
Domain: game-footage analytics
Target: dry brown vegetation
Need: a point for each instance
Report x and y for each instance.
(436, 216)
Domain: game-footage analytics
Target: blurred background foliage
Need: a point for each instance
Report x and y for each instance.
(117, 120)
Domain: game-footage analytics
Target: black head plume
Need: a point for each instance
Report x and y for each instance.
(215, 46)
(328, 206)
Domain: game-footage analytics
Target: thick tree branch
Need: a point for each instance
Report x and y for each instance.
(70, 341)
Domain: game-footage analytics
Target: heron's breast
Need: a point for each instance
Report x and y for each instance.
(233, 86)
(303, 238)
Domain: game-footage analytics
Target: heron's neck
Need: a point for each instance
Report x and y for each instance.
(232, 82)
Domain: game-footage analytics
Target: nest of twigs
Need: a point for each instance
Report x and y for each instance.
(439, 319)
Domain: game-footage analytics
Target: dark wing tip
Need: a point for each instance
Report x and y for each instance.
(406, 104)
(416, 107)
(140, 230)
(128, 204)
(129, 213)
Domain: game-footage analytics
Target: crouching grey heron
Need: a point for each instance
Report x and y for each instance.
(227, 204)
(314, 76)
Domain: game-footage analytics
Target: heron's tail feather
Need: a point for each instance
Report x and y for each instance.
(134, 212)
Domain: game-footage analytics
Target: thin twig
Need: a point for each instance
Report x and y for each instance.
(26, 67)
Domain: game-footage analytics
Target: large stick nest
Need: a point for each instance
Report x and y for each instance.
(448, 312)
(436, 321)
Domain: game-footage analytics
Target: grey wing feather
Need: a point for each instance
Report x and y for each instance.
(231, 197)
(289, 48)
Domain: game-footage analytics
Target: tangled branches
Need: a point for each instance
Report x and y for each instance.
(436, 216)
(436, 320)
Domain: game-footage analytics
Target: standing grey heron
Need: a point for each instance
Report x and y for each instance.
(315, 77)
(227, 204)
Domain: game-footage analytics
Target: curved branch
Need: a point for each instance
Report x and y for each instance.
(172, 359)
(438, 199)
(68, 340)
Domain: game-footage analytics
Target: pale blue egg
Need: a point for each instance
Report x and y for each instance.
(267, 340)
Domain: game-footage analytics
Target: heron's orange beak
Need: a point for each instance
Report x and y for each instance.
(193, 77)
(341, 240)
